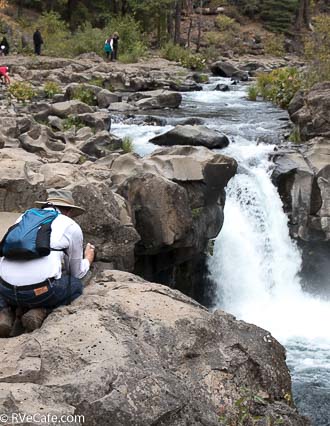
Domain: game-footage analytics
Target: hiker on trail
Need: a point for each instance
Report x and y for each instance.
(37, 285)
(37, 41)
(114, 45)
(4, 75)
(108, 47)
(4, 46)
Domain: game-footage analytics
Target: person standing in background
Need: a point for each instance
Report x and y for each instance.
(4, 46)
(37, 41)
(108, 47)
(114, 53)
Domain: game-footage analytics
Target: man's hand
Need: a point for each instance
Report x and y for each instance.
(90, 253)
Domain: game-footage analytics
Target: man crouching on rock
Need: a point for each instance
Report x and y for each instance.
(38, 285)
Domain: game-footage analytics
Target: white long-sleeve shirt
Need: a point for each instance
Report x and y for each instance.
(66, 234)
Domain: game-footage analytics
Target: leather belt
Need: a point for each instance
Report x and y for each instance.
(26, 287)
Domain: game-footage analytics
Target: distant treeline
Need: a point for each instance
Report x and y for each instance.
(164, 15)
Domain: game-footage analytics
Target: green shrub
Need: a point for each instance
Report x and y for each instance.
(173, 52)
(279, 86)
(223, 40)
(194, 61)
(274, 45)
(224, 23)
(196, 213)
(185, 57)
(96, 82)
(86, 39)
(71, 121)
(252, 93)
(55, 34)
(60, 42)
(317, 51)
(127, 145)
(84, 94)
(51, 88)
(22, 91)
(295, 135)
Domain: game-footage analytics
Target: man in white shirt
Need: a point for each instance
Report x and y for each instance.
(38, 285)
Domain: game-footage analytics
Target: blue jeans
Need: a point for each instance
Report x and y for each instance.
(57, 295)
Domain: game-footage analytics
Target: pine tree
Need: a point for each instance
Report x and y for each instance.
(278, 15)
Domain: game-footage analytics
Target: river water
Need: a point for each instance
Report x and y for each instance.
(255, 263)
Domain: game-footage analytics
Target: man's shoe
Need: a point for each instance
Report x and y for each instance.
(33, 319)
(6, 322)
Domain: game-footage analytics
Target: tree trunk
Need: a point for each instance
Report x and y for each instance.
(115, 7)
(177, 31)
(170, 25)
(124, 7)
(20, 8)
(303, 15)
(72, 5)
(189, 32)
(199, 26)
(189, 5)
(50, 5)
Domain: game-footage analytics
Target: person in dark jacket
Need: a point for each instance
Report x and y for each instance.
(114, 53)
(37, 41)
(4, 46)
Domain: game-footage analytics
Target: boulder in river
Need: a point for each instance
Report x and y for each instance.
(159, 99)
(192, 135)
(222, 87)
(226, 69)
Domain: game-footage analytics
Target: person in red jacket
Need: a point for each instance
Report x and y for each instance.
(4, 75)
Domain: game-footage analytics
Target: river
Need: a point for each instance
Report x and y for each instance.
(255, 263)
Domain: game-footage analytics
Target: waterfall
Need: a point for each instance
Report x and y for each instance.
(256, 267)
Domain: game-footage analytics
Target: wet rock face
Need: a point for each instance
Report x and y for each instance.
(140, 354)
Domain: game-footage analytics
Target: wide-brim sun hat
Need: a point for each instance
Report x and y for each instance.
(62, 198)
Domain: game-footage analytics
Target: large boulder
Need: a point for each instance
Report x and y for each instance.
(74, 107)
(192, 135)
(226, 69)
(185, 86)
(40, 139)
(159, 99)
(311, 112)
(165, 219)
(105, 98)
(97, 120)
(177, 197)
(302, 177)
(130, 352)
(101, 144)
